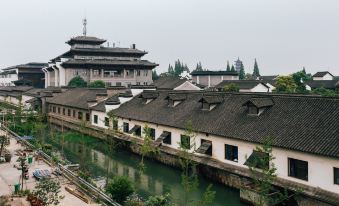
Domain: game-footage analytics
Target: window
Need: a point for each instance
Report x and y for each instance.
(125, 127)
(298, 169)
(96, 72)
(54, 109)
(95, 119)
(106, 122)
(58, 110)
(118, 84)
(152, 133)
(87, 117)
(252, 110)
(231, 153)
(145, 73)
(185, 141)
(74, 113)
(79, 115)
(108, 84)
(115, 124)
(336, 175)
(137, 131)
(50, 108)
(145, 83)
(63, 111)
(138, 72)
(168, 139)
(138, 83)
(69, 112)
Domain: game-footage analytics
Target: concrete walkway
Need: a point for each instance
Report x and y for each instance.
(9, 176)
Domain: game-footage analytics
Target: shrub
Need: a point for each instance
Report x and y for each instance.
(77, 81)
(120, 187)
(159, 200)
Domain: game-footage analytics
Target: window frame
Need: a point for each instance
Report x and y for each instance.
(295, 175)
(125, 127)
(231, 148)
(95, 119)
(168, 139)
(106, 122)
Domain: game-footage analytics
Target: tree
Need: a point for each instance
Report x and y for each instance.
(120, 187)
(159, 200)
(155, 76)
(199, 67)
(256, 72)
(300, 78)
(232, 68)
(248, 76)
(228, 68)
(285, 84)
(170, 70)
(242, 72)
(325, 92)
(97, 84)
(3, 143)
(189, 177)
(264, 177)
(231, 88)
(77, 81)
(47, 190)
(146, 148)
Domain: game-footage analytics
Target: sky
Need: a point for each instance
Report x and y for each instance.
(283, 35)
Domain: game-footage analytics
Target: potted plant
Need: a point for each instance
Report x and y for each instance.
(8, 157)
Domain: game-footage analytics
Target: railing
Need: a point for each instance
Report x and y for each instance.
(68, 173)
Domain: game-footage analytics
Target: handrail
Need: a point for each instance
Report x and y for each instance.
(90, 187)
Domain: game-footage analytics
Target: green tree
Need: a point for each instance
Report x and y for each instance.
(285, 84)
(120, 187)
(232, 68)
(146, 148)
(264, 177)
(256, 72)
(77, 81)
(189, 177)
(3, 143)
(325, 92)
(300, 78)
(231, 88)
(155, 76)
(199, 67)
(170, 70)
(97, 84)
(242, 72)
(228, 68)
(159, 200)
(47, 190)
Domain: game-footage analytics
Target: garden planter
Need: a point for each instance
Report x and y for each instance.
(8, 157)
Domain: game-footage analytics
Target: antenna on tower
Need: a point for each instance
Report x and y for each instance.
(84, 30)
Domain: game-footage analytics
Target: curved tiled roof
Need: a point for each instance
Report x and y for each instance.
(304, 123)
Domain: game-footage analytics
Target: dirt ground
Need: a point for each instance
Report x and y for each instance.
(9, 176)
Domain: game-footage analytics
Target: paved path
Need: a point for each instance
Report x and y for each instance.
(9, 176)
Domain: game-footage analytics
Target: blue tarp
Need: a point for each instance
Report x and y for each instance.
(26, 137)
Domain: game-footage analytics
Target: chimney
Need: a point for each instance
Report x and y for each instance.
(133, 46)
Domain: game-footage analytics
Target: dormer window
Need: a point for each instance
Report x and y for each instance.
(256, 106)
(148, 96)
(210, 102)
(175, 99)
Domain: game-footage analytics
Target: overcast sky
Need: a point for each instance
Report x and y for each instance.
(284, 35)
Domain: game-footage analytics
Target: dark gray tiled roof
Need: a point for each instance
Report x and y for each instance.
(200, 73)
(168, 82)
(76, 97)
(327, 84)
(321, 74)
(31, 65)
(303, 123)
(242, 84)
(77, 62)
(260, 102)
(86, 39)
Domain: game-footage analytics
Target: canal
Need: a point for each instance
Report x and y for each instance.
(96, 157)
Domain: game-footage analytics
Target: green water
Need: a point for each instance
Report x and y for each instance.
(95, 156)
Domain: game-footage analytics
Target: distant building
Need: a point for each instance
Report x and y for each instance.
(90, 60)
(212, 78)
(29, 74)
(323, 76)
(245, 85)
(174, 83)
(238, 64)
(327, 84)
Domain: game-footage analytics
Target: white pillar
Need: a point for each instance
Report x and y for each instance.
(61, 75)
(46, 76)
(56, 76)
(209, 80)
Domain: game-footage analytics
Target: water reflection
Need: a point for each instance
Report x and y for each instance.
(157, 179)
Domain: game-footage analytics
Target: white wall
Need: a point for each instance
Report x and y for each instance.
(187, 86)
(325, 77)
(101, 119)
(260, 88)
(320, 168)
(7, 80)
